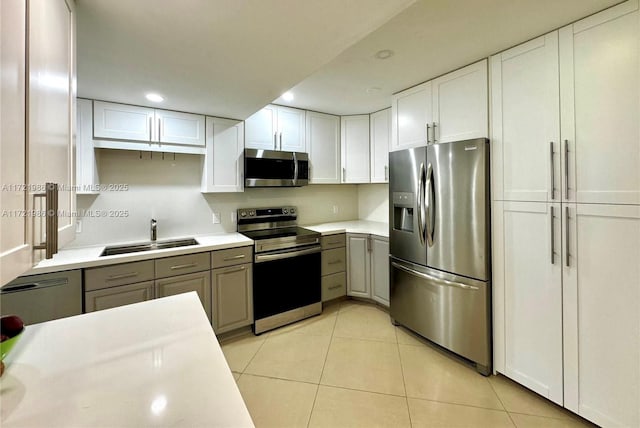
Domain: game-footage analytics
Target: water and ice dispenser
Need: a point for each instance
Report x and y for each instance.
(403, 211)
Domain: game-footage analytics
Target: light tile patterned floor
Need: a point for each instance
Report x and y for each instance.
(349, 367)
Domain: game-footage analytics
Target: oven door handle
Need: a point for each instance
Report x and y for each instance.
(261, 258)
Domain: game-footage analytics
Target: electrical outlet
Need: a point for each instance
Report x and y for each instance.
(78, 226)
(336, 209)
(216, 218)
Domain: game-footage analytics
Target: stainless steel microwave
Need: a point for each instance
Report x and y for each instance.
(271, 168)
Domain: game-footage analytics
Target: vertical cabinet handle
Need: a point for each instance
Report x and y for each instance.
(434, 133)
(369, 243)
(566, 169)
(428, 138)
(553, 173)
(344, 174)
(281, 141)
(553, 234)
(566, 234)
(386, 173)
(50, 244)
(275, 144)
(150, 129)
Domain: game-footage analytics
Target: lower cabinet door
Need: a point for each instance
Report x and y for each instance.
(358, 260)
(117, 296)
(380, 270)
(199, 282)
(232, 297)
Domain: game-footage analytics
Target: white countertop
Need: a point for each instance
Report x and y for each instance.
(155, 363)
(352, 226)
(84, 257)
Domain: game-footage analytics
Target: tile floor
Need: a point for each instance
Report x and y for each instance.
(350, 367)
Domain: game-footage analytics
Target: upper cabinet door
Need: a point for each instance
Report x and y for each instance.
(291, 134)
(261, 129)
(123, 122)
(460, 104)
(15, 230)
(51, 110)
(323, 138)
(380, 139)
(355, 148)
(180, 128)
(411, 115)
(525, 138)
(223, 161)
(599, 69)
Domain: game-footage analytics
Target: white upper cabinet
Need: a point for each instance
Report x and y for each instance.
(223, 162)
(355, 148)
(601, 281)
(162, 130)
(525, 138)
(449, 108)
(460, 104)
(123, 122)
(15, 231)
(323, 139)
(380, 142)
(411, 113)
(599, 68)
(87, 181)
(180, 128)
(528, 296)
(261, 129)
(276, 128)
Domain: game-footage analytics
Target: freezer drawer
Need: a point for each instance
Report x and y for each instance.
(46, 297)
(452, 311)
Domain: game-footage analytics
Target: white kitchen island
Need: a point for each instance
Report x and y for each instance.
(156, 363)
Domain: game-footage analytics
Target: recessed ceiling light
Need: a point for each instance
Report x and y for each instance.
(154, 98)
(384, 54)
(287, 96)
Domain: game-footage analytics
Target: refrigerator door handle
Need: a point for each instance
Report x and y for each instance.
(430, 224)
(437, 281)
(421, 213)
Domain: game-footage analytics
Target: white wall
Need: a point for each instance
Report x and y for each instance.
(169, 191)
(373, 202)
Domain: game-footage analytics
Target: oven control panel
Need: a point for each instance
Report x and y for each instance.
(267, 213)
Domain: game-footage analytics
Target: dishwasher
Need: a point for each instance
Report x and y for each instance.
(44, 297)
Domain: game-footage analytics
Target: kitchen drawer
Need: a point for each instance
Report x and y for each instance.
(232, 256)
(334, 286)
(333, 241)
(334, 260)
(114, 275)
(118, 296)
(180, 265)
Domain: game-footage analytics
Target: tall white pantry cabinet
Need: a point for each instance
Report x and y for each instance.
(566, 215)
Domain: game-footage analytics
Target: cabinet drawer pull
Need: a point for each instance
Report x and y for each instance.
(235, 269)
(334, 287)
(239, 256)
(335, 262)
(334, 243)
(122, 276)
(188, 265)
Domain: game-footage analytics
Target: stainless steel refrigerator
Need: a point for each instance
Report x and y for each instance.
(439, 237)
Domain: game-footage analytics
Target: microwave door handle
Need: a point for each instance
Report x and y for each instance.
(295, 169)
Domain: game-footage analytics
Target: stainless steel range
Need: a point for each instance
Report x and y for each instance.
(286, 272)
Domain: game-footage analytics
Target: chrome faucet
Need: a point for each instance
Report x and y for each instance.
(154, 230)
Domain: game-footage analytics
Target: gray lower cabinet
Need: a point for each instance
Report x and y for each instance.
(368, 267)
(118, 296)
(199, 282)
(380, 269)
(232, 297)
(334, 266)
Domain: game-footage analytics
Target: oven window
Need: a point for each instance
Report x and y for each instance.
(274, 169)
(285, 284)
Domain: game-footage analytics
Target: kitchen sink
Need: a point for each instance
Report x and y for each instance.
(147, 246)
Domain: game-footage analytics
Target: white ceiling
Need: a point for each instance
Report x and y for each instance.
(229, 58)
(226, 58)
